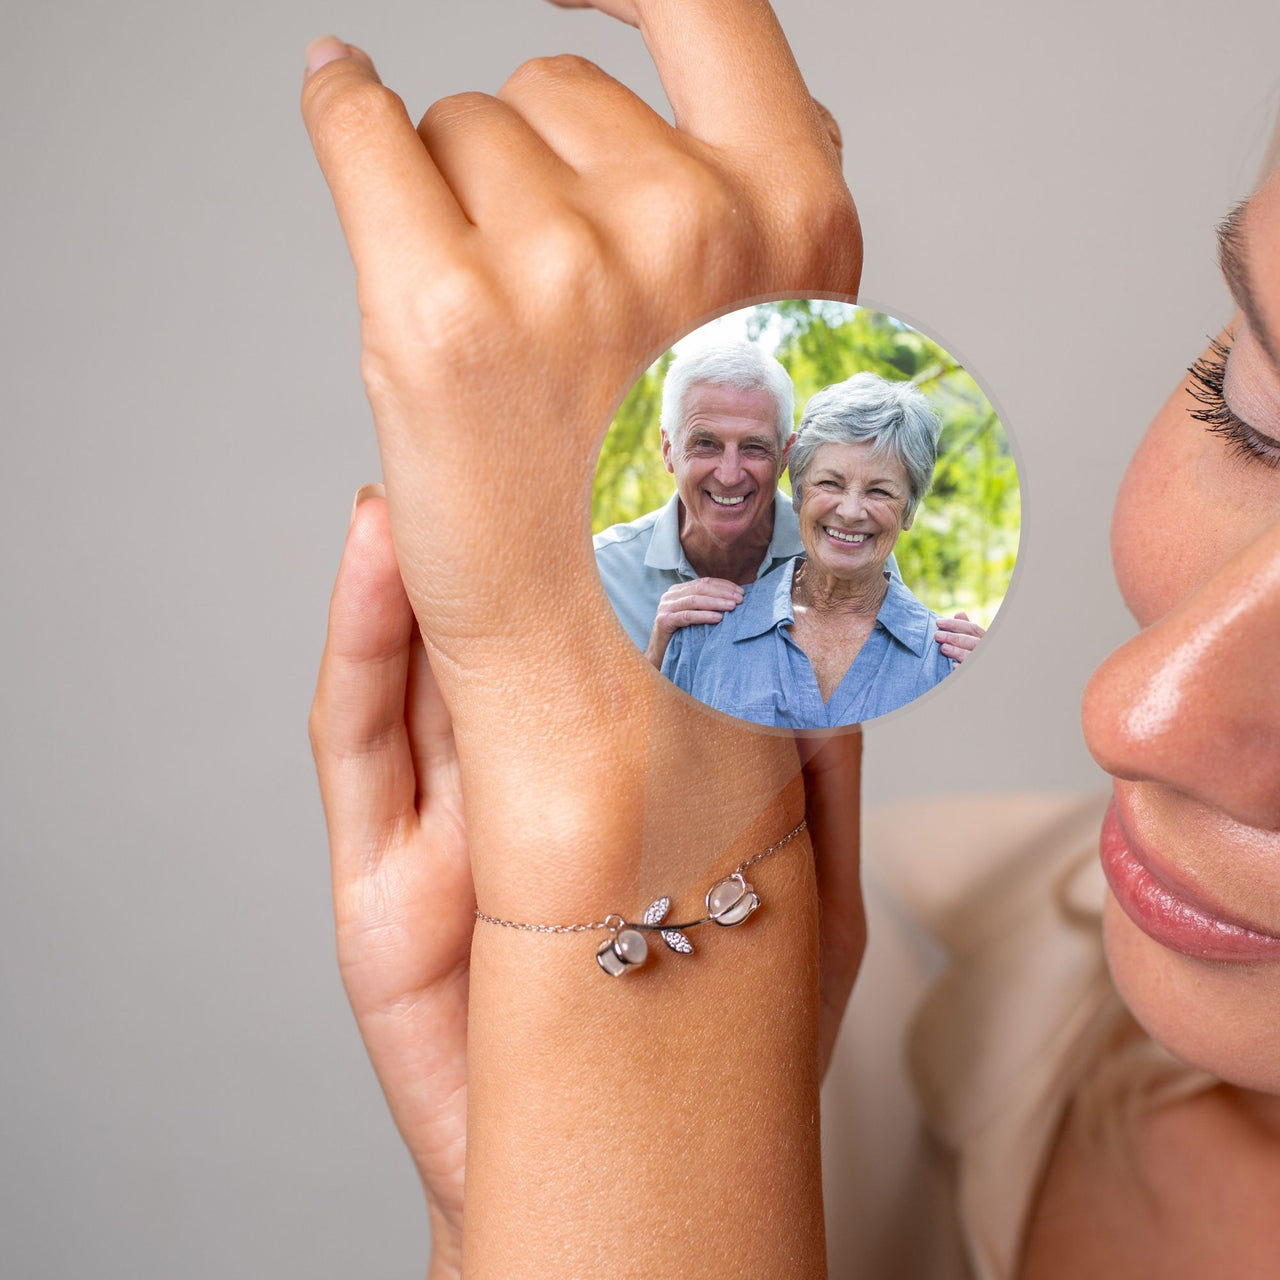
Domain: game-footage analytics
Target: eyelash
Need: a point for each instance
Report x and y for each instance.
(1207, 376)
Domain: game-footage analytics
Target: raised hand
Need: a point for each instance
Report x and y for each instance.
(519, 259)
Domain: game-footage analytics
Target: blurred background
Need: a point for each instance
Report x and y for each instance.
(961, 549)
(184, 429)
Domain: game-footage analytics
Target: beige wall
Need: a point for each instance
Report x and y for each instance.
(184, 428)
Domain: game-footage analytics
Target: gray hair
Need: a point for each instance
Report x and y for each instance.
(895, 417)
(740, 365)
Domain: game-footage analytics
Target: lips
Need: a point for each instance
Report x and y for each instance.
(1172, 913)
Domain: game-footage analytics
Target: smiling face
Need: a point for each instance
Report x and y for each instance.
(726, 461)
(852, 509)
(1186, 716)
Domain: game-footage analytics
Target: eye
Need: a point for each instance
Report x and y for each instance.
(1207, 377)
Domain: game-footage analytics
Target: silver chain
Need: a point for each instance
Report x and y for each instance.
(604, 924)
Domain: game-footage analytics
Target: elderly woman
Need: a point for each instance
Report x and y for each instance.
(832, 638)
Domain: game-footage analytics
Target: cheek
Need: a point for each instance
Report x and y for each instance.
(888, 515)
(1168, 531)
(764, 472)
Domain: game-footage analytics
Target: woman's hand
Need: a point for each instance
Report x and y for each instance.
(402, 895)
(519, 259)
(402, 889)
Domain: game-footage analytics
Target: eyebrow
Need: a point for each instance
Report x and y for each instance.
(1233, 261)
(829, 472)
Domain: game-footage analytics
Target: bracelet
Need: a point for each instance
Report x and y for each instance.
(729, 901)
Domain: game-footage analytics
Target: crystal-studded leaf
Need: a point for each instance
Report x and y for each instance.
(656, 912)
(677, 941)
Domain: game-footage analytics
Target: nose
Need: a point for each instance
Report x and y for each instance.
(852, 505)
(1193, 701)
(729, 467)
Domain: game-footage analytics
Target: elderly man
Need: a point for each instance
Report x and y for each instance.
(727, 415)
(727, 428)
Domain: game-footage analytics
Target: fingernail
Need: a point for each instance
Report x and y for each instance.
(325, 49)
(365, 491)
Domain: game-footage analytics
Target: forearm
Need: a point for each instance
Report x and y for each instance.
(666, 1122)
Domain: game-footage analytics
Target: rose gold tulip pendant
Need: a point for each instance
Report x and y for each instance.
(729, 901)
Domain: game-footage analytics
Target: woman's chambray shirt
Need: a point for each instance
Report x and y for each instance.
(749, 666)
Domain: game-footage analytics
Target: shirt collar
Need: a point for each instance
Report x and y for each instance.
(766, 604)
(665, 551)
(762, 609)
(905, 618)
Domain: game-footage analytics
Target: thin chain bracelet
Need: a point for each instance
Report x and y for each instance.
(729, 901)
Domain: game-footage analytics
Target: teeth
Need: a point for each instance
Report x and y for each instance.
(728, 502)
(840, 536)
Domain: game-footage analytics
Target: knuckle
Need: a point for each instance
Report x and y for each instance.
(566, 255)
(403, 337)
(685, 203)
(550, 72)
(343, 113)
(456, 109)
(818, 226)
(316, 728)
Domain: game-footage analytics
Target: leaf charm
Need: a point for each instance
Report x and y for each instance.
(656, 912)
(677, 941)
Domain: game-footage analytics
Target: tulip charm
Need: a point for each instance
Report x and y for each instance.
(731, 900)
(622, 951)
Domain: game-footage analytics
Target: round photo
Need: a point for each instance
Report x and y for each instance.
(806, 514)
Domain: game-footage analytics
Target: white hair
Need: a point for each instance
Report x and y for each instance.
(740, 365)
(895, 417)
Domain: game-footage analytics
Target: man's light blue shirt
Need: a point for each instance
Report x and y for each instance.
(749, 666)
(639, 562)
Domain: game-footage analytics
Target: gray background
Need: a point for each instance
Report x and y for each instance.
(184, 427)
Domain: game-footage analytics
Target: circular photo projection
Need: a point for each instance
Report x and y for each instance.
(806, 514)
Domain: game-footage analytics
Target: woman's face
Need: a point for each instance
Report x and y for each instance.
(852, 509)
(1186, 716)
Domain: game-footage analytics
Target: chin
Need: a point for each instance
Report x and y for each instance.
(1221, 1017)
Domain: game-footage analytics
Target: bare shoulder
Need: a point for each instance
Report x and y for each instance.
(1186, 1192)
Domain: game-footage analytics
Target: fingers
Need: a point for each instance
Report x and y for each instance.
(727, 71)
(584, 115)
(623, 10)
(384, 185)
(708, 589)
(358, 733)
(484, 150)
(703, 600)
(691, 617)
(957, 636)
(832, 127)
(832, 778)
(430, 729)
